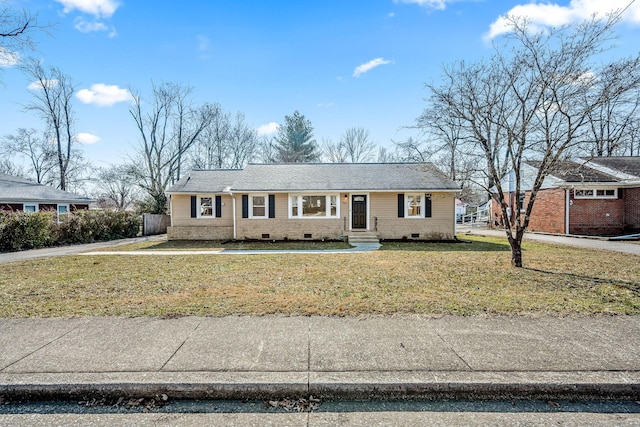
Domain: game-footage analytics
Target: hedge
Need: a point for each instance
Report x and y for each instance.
(28, 230)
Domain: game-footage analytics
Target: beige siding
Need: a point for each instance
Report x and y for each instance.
(441, 224)
(281, 227)
(383, 219)
(183, 227)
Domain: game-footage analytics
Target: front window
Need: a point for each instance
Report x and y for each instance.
(206, 207)
(258, 207)
(30, 208)
(414, 205)
(314, 206)
(62, 211)
(596, 193)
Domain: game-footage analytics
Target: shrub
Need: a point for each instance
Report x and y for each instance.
(23, 230)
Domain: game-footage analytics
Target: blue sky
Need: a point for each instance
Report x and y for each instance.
(341, 63)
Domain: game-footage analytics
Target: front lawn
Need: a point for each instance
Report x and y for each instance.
(407, 278)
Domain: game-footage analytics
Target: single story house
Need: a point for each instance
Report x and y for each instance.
(296, 201)
(583, 196)
(18, 194)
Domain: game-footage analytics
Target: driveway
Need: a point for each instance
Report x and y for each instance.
(579, 241)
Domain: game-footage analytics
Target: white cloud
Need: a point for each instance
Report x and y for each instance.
(103, 95)
(368, 66)
(37, 85)
(85, 26)
(86, 138)
(8, 58)
(551, 14)
(325, 104)
(268, 129)
(430, 4)
(97, 8)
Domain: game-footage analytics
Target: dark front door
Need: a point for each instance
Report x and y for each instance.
(359, 212)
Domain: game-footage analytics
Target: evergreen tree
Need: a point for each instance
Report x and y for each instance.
(294, 142)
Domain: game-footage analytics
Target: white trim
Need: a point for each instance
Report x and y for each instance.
(265, 196)
(368, 214)
(300, 195)
(422, 205)
(37, 206)
(199, 198)
(594, 194)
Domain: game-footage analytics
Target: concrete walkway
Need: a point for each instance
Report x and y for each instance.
(352, 358)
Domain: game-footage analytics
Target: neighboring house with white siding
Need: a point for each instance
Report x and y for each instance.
(296, 201)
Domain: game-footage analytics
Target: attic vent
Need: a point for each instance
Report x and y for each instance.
(308, 235)
(415, 235)
(265, 235)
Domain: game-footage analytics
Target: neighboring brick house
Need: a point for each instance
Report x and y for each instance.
(18, 194)
(314, 201)
(598, 196)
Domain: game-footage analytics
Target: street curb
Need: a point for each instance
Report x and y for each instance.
(600, 385)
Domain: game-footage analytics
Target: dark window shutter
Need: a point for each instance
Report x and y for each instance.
(245, 206)
(218, 206)
(427, 205)
(401, 205)
(194, 206)
(272, 205)
(620, 193)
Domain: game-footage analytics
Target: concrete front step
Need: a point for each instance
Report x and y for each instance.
(363, 238)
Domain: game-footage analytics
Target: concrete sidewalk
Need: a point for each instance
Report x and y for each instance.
(350, 358)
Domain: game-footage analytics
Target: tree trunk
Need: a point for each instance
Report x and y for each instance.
(516, 253)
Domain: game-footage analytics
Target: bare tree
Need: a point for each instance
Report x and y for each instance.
(332, 152)
(10, 168)
(613, 123)
(38, 151)
(357, 145)
(53, 91)
(168, 127)
(536, 96)
(115, 188)
(16, 30)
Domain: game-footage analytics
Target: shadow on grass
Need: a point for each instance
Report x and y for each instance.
(452, 246)
(632, 286)
(245, 245)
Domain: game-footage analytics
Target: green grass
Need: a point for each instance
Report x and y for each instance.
(406, 278)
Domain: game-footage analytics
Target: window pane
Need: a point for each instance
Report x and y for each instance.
(334, 208)
(314, 206)
(606, 193)
(206, 206)
(294, 205)
(63, 209)
(29, 208)
(258, 206)
(413, 205)
(584, 193)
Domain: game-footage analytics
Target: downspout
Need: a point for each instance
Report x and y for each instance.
(567, 203)
(233, 206)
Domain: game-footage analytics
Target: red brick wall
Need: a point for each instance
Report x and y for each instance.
(548, 214)
(548, 211)
(631, 197)
(596, 216)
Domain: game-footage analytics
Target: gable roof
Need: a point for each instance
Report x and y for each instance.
(295, 177)
(624, 167)
(19, 190)
(575, 172)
